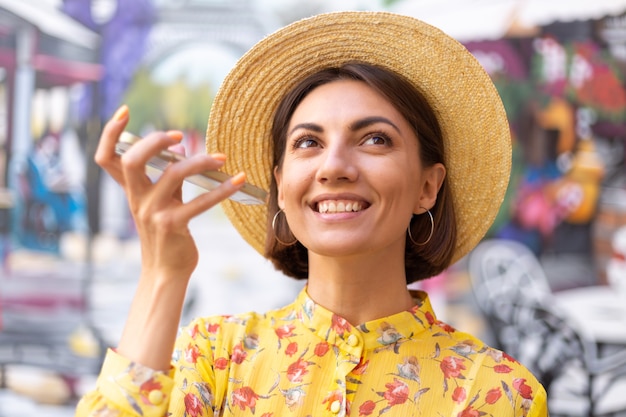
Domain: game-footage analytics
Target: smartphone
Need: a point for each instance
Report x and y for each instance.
(208, 180)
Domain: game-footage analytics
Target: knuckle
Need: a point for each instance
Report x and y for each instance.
(129, 162)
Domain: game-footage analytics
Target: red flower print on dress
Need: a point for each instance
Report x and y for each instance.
(192, 353)
(361, 368)
(193, 405)
(321, 349)
(244, 397)
(469, 412)
(212, 327)
(221, 363)
(297, 370)
(367, 408)
(493, 395)
(285, 330)
(239, 354)
(459, 395)
(340, 325)
(524, 390)
(502, 369)
(291, 349)
(509, 358)
(147, 387)
(452, 366)
(397, 392)
(430, 318)
(193, 332)
(446, 327)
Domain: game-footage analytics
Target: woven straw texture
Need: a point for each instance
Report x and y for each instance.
(473, 120)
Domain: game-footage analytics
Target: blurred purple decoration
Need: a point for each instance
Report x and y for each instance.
(124, 39)
(499, 57)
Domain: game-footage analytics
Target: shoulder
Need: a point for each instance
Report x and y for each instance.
(489, 373)
(225, 327)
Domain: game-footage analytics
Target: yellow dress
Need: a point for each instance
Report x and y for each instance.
(303, 360)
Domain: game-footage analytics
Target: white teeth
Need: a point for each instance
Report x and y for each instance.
(338, 206)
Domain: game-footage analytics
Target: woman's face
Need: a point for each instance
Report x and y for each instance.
(351, 176)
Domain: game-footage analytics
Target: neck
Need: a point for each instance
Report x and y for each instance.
(359, 289)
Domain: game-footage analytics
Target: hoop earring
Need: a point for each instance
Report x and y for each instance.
(432, 229)
(276, 234)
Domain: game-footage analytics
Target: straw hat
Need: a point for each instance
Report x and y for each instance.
(470, 112)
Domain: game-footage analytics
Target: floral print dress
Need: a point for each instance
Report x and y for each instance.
(303, 360)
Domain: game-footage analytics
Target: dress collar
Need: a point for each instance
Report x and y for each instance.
(374, 334)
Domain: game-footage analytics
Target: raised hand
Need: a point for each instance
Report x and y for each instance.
(168, 251)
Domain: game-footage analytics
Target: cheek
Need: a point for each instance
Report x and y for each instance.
(294, 188)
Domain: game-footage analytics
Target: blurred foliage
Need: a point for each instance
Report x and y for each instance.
(164, 107)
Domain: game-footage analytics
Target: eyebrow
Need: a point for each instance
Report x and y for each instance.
(361, 123)
(357, 125)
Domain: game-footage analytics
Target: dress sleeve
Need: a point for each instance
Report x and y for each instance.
(539, 408)
(127, 389)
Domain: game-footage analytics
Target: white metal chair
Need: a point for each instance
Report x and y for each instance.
(512, 291)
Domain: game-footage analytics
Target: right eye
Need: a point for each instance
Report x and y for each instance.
(305, 142)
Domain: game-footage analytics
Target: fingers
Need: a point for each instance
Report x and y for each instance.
(105, 153)
(208, 200)
(143, 195)
(134, 160)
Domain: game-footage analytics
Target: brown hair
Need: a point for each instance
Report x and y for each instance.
(421, 261)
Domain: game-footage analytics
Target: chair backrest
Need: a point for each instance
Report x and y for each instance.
(503, 273)
(547, 342)
(512, 290)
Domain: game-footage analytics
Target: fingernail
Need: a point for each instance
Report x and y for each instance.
(121, 113)
(219, 156)
(177, 135)
(238, 179)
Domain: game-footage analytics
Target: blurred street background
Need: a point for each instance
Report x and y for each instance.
(69, 255)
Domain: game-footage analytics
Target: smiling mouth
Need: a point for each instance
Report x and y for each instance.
(339, 206)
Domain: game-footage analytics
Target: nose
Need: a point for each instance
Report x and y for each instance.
(338, 163)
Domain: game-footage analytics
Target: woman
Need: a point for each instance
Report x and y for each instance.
(384, 146)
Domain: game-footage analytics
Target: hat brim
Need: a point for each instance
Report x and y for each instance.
(472, 118)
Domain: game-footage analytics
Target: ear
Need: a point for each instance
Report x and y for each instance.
(280, 198)
(433, 177)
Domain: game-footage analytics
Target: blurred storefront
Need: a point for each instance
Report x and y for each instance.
(47, 61)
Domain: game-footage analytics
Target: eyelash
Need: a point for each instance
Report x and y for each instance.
(381, 135)
(300, 140)
(307, 137)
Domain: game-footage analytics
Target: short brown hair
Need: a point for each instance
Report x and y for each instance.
(421, 261)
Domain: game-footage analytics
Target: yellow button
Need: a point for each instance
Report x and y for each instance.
(335, 406)
(155, 397)
(353, 340)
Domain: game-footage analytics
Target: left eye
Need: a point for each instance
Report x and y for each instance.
(376, 140)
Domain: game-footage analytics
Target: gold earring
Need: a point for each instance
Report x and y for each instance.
(276, 233)
(430, 235)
